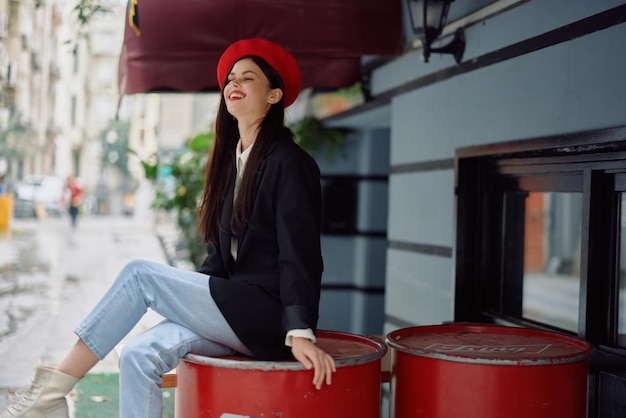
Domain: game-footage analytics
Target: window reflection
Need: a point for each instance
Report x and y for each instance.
(552, 258)
(622, 276)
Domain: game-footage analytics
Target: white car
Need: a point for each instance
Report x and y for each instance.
(45, 190)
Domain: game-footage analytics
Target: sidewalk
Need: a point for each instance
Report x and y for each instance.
(51, 277)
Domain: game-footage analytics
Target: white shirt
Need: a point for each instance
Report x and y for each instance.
(241, 159)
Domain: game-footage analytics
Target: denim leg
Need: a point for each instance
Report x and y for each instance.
(151, 354)
(193, 323)
(181, 296)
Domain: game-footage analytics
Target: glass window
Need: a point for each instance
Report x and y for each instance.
(552, 234)
(105, 74)
(73, 112)
(621, 336)
(105, 107)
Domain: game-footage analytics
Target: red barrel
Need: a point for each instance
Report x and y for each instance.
(487, 371)
(243, 387)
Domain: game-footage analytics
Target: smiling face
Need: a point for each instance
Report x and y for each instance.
(247, 91)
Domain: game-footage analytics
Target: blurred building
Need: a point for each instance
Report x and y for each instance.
(88, 99)
(58, 87)
(27, 42)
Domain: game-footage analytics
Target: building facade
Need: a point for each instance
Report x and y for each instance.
(534, 76)
(58, 87)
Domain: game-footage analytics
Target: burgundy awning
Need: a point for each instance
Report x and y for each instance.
(182, 40)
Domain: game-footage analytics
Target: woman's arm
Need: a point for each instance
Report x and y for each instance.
(298, 220)
(298, 232)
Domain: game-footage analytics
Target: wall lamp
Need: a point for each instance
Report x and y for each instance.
(428, 17)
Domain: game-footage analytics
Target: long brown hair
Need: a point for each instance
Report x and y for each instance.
(221, 166)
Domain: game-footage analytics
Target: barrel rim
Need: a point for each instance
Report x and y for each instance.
(393, 337)
(227, 362)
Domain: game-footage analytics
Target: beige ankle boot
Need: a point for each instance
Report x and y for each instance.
(45, 398)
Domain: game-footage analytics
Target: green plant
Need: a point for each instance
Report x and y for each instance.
(180, 181)
(312, 136)
(86, 9)
(16, 140)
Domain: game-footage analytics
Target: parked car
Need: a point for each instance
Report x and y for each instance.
(39, 192)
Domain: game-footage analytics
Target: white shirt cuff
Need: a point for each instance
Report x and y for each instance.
(305, 333)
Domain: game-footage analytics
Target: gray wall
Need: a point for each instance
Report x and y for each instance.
(571, 86)
(352, 298)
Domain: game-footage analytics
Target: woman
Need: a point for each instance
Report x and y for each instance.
(257, 292)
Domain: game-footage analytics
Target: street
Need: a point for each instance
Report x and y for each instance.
(51, 276)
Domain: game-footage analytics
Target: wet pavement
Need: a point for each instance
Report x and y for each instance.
(51, 276)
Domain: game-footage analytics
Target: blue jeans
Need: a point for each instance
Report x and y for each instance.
(193, 324)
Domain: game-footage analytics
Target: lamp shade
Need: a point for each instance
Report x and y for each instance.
(428, 17)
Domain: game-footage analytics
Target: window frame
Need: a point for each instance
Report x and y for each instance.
(489, 271)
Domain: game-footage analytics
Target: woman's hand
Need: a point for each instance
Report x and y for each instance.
(314, 358)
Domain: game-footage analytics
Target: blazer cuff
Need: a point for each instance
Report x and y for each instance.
(304, 333)
(298, 317)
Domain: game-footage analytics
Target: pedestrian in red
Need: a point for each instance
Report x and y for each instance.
(76, 195)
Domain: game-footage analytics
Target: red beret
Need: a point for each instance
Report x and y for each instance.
(275, 55)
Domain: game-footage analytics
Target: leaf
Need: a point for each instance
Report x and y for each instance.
(201, 142)
(311, 135)
(99, 399)
(150, 170)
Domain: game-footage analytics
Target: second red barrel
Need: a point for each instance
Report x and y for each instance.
(487, 371)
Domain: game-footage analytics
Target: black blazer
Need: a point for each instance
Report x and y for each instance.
(275, 284)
